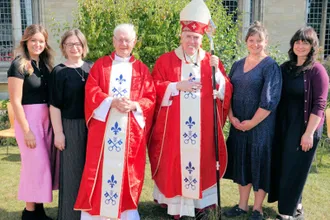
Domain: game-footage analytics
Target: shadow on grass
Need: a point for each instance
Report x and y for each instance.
(269, 213)
(322, 165)
(325, 166)
(151, 210)
(315, 169)
(12, 158)
(15, 215)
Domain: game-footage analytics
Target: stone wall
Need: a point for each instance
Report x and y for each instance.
(283, 18)
(62, 12)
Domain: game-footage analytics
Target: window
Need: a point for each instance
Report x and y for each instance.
(231, 7)
(26, 14)
(314, 17)
(6, 43)
(6, 26)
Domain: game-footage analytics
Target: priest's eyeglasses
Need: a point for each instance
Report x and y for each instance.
(126, 41)
(71, 45)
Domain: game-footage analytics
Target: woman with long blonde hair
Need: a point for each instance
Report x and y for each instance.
(28, 93)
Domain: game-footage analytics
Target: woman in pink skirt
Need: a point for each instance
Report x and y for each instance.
(28, 92)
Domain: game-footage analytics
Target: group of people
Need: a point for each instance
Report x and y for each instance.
(276, 115)
(103, 117)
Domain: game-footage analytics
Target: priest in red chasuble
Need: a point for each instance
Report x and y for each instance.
(181, 147)
(119, 104)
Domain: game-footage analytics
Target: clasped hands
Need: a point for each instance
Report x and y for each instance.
(245, 125)
(123, 104)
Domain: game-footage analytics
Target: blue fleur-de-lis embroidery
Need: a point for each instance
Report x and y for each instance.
(190, 137)
(190, 122)
(187, 95)
(115, 143)
(190, 182)
(110, 197)
(119, 92)
(116, 129)
(192, 77)
(112, 181)
(190, 167)
(121, 79)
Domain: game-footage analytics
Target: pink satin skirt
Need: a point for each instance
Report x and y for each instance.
(36, 176)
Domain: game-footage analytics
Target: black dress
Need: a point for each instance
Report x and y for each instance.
(290, 164)
(67, 93)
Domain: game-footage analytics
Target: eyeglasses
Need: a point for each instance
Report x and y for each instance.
(126, 41)
(71, 45)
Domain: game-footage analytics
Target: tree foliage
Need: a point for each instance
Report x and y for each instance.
(158, 28)
(157, 25)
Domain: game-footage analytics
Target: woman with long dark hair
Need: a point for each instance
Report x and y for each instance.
(299, 123)
(28, 93)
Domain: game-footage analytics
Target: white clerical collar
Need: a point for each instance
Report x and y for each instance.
(121, 59)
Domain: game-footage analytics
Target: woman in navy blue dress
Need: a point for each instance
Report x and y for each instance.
(257, 86)
(299, 123)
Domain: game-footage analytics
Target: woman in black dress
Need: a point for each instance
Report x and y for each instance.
(299, 123)
(67, 93)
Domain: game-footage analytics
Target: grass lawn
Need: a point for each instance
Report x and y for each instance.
(315, 199)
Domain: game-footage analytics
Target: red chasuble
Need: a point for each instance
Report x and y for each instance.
(164, 145)
(97, 89)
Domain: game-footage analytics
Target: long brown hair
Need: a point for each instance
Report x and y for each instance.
(309, 35)
(25, 59)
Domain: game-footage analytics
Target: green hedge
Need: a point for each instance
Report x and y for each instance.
(157, 24)
(158, 28)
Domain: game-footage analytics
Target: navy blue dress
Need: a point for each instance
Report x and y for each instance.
(249, 152)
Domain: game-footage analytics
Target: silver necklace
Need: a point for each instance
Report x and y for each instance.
(81, 75)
